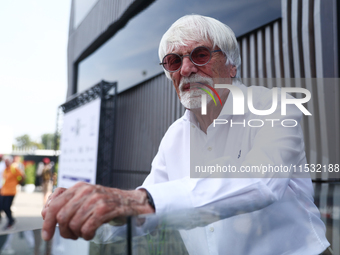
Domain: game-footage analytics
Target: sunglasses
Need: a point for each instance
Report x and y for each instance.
(199, 56)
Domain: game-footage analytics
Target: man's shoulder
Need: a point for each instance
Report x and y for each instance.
(176, 130)
(178, 124)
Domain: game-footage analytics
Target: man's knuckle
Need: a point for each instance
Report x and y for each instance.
(87, 230)
(66, 234)
(61, 219)
(96, 197)
(88, 236)
(53, 207)
(74, 226)
(101, 208)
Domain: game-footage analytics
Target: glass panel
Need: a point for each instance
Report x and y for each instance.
(131, 56)
(196, 231)
(30, 242)
(210, 230)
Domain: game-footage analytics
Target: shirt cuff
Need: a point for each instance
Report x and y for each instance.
(169, 196)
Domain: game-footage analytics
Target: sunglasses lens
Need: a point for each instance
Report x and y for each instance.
(172, 62)
(200, 56)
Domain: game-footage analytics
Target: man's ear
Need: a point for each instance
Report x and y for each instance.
(233, 71)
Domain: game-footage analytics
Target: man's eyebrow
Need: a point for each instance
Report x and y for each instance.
(209, 47)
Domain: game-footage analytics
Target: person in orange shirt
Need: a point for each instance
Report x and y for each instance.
(11, 177)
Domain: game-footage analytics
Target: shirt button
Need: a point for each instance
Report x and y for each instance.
(209, 148)
(193, 126)
(211, 229)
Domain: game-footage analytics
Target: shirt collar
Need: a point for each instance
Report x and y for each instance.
(190, 117)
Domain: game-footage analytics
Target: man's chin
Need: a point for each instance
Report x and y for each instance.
(192, 104)
(193, 108)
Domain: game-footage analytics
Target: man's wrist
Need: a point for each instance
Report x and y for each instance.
(149, 206)
(150, 200)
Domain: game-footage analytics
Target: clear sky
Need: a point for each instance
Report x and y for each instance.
(33, 64)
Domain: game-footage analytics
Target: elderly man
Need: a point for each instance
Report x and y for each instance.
(270, 215)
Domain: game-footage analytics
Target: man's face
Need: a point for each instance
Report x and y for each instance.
(189, 77)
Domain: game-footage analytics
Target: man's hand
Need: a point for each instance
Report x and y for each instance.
(56, 193)
(83, 208)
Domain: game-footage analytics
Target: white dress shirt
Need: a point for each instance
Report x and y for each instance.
(271, 215)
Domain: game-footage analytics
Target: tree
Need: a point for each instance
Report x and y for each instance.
(23, 141)
(48, 141)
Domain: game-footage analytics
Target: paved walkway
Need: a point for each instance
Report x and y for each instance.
(26, 209)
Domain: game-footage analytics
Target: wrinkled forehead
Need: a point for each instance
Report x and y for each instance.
(187, 44)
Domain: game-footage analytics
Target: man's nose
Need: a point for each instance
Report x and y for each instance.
(188, 67)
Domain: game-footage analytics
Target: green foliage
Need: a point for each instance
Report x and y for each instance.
(56, 167)
(48, 141)
(30, 172)
(39, 146)
(58, 141)
(55, 176)
(23, 141)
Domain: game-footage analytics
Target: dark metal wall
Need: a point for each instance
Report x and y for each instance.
(303, 45)
(144, 113)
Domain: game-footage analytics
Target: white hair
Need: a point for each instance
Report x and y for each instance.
(9, 158)
(200, 28)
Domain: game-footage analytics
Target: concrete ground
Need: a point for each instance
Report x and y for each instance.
(26, 209)
(25, 237)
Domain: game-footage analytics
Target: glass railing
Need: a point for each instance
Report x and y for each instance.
(175, 233)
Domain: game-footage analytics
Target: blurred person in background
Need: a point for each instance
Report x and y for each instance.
(2, 168)
(47, 182)
(38, 179)
(11, 178)
(17, 163)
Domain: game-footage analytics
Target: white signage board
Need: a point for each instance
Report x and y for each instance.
(79, 145)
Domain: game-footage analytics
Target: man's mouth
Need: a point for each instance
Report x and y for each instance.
(190, 86)
(186, 87)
